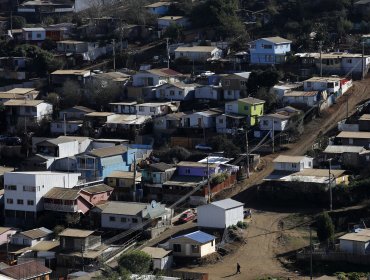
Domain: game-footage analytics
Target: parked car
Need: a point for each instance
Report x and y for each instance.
(187, 216)
(203, 147)
(206, 74)
(13, 141)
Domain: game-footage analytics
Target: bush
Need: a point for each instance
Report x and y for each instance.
(136, 262)
(325, 228)
(242, 225)
(219, 178)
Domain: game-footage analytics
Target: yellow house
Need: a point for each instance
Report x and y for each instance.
(196, 244)
(251, 107)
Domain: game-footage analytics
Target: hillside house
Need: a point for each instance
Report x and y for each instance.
(123, 184)
(31, 237)
(220, 214)
(235, 85)
(34, 35)
(281, 88)
(161, 258)
(59, 77)
(124, 107)
(203, 119)
(167, 124)
(197, 244)
(30, 269)
(26, 113)
(307, 98)
(354, 138)
(14, 68)
(175, 91)
(156, 109)
(355, 243)
(75, 113)
(281, 120)
(24, 191)
(198, 53)
(167, 21)
(158, 8)
(155, 77)
(271, 50)
(251, 107)
(208, 92)
(292, 163)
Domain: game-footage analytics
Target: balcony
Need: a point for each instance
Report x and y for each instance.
(60, 208)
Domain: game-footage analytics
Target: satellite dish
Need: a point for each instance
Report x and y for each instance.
(153, 203)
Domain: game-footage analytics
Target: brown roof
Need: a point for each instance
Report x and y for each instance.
(251, 100)
(45, 246)
(354, 134)
(26, 270)
(97, 189)
(124, 174)
(109, 151)
(301, 93)
(16, 102)
(99, 114)
(62, 193)
(156, 253)
(164, 72)
(4, 229)
(36, 233)
(73, 232)
(292, 159)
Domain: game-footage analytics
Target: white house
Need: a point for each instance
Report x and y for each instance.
(158, 8)
(155, 108)
(155, 77)
(175, 91)
(74, 113)
(58, 127)
(278, 121)
(356, 243)
(208, 92)
(196, 244)
(125, 215)
(280, 89)
(167, 21)
(308, 98)
(220, 214)
(123, 107)
(71, 46)
(292, 163)
(23, 192)
(271, 50)
(31, 237)
(34, 34)
(199, 53)
(26, 112)
(330, 84)
(203, 119)
(168, 122)
(161, 258)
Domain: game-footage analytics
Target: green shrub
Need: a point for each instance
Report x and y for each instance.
(136, 262)
(242, 225)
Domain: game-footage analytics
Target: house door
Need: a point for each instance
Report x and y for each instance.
(200, 122)
(187, 250)
(187, 122)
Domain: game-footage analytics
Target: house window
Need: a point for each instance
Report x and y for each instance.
(141, 109)
(123, 220)
(152, 109)
(59, 125)
(195, 249)
(229, 107)
(187, 171)
(9, 200)
(309, 84)
(112, 219)
(172, 92)
(268, 47)
(253, 46)
(294, 165)
(349, 61)
(212, 243)
(243, 83)
(134, 220)
(29, 189)
(350, 141)
(227, 83)
(246, 107)
(180, 92)
(221, 120)
(177, 248)
(20, 201)
(11, 187)
(309, 163)
(265, 122)
(30, 202)
(38, 35)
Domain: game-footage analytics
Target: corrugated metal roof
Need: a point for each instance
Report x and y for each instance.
(292, 159)
(109, 151)
(339, 149)
(156, 252)
(227, 203)
(124, 208)
(97, 189)
(28, 270)
(198, 236)
(354, 134)
(73, 232)
(62, 193)
(251, 100)
(36, 233)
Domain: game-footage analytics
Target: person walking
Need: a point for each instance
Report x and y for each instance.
(238, 268)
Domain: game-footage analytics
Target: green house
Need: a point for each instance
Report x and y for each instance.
(250, 107)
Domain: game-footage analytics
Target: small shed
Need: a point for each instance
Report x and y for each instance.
(356, 243)
(162, 259)
(220, 214)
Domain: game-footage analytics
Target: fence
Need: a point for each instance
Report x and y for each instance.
(333, 256)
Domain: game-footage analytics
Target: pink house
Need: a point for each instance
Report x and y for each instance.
(5, 233)
(66, 200)
(96, 194)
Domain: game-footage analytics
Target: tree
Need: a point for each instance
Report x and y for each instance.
(268, 96)
(72, 219)
(136, 262)
(220, 143)
(18, 22)
(71, 94)
(325, 228)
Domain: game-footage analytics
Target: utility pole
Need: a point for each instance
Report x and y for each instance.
(330, 190)
(114, 54)
(82, 254)
(64, 125)
(247, 151)
(208, 181)
(134, 192)
(273, 136)
(320, 44)
(363, 56)
(311, 251)
(168, 54)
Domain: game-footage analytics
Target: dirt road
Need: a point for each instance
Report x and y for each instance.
(258, 257)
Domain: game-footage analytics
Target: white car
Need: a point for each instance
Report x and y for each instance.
(206, 74)
(203, 147)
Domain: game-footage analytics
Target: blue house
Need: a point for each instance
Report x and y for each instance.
(158, 8)
(271, 50)
(99, 163)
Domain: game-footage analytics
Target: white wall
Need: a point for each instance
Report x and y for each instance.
(265, 123)
(206, 92)
(117, 224)
(231, 107)
(212, 216)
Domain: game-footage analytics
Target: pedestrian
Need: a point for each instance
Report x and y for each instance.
(238, 268)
